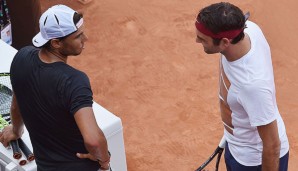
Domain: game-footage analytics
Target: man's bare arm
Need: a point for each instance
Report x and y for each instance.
(16, 117)
(94, 139)
(271, 146)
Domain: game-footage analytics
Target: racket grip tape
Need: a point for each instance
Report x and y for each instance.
(29, 155)
(17, 154)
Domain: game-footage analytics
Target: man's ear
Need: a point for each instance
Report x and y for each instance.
(55, 43)
(225, 42)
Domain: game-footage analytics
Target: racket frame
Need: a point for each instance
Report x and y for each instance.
(217, 152)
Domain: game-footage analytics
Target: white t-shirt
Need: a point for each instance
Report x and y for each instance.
(251, 100)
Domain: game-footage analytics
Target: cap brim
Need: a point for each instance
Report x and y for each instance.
(38, 40)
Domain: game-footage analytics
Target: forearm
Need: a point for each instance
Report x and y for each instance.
(98, 147)
(94, 139)
(16, 118)
(271, 146)
(270, 158)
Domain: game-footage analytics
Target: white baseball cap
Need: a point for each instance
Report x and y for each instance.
(56, 22)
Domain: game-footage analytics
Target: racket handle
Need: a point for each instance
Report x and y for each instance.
(29, 155)
(222, 142)
(22, 162)
(17, 154)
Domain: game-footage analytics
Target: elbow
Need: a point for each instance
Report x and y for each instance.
(276, 147)
(276, 144)
(95, 141)
(273, 147)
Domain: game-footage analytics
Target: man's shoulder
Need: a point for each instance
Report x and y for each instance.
(28, 49)
(71, 74)
(252, 27)
(25, 51)
(251, 24)
(74, 72)
(24, 54)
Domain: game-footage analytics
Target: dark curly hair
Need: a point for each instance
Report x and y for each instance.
(221, 17)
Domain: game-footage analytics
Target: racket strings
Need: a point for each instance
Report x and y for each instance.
(5, 97)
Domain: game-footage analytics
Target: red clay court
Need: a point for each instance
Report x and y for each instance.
(146, 68)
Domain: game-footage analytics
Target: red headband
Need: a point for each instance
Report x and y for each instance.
(230, 34)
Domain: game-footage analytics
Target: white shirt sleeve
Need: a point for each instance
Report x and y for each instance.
(257, 99)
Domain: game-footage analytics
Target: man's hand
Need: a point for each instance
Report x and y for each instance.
(7, 134)
(104, 165)
(86, 156)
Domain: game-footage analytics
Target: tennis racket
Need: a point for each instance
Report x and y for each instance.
(218, 152)
(29, 155)
(5, 103)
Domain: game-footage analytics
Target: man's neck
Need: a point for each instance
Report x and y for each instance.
(238, 50)
(51, 56)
